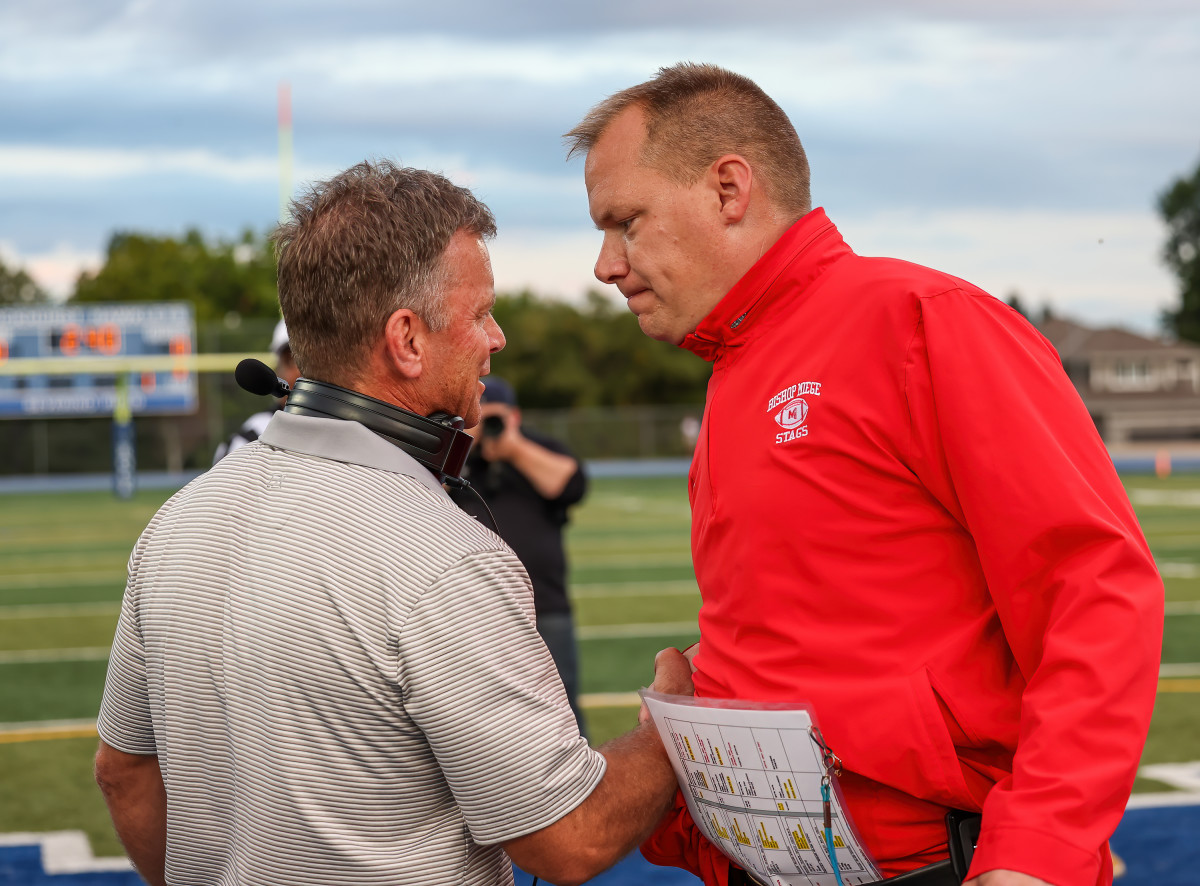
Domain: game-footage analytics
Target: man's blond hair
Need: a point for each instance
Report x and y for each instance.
(696, 113)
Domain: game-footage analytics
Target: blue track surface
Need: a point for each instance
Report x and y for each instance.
(648, 467)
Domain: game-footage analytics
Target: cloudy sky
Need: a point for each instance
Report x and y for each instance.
(1019, 144)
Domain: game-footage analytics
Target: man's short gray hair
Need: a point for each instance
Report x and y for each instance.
(360, 247)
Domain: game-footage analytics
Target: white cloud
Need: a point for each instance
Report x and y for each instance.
(55, 270)
(1101, 268)
(55, 163)
(556, 264)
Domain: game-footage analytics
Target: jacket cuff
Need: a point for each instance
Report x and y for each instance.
(1036, 853)
(677, 842)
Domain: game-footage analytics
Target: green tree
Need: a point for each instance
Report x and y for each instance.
(559, 355)
(1179, 205)
(18, 288)
(219, 278)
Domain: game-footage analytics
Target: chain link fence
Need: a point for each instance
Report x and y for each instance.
(187, 443)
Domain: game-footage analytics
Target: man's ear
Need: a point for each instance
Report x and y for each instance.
(404, 341)
(732, 178)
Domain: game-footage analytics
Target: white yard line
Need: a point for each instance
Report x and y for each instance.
(622, 632)
(50, 656)
(1175, 569)
(599, 590)
(60, 610)
(1150, 801)
(61, 580)
(1179, 669)
(609, 700)
(1171, 498)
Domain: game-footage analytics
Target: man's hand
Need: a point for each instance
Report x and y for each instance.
(547, 471)
(672, 676)
(637, 790)
(1005, 878)
(672, 673)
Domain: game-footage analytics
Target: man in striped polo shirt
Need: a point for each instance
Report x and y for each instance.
(325, 672)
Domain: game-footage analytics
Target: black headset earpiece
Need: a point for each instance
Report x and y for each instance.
(437, 442)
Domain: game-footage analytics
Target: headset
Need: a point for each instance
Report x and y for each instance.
(438, 441)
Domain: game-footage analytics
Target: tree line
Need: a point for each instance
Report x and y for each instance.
(559, 355)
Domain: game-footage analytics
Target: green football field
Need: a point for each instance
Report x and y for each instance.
(62, 560)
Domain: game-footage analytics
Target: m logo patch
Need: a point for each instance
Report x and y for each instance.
(793, 414)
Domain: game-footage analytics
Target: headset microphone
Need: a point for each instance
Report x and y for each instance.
(437, 442)
(257, 377)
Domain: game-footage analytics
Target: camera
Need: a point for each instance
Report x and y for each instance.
(493, 426)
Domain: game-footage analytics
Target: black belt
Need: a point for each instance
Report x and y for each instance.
(939, 873)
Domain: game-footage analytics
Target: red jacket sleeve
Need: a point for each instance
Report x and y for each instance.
(677, 842)
(1001, 438)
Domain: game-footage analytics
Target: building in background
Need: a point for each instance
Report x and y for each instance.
(1137, 389)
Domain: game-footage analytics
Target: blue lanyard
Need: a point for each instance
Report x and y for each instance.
(826, 803)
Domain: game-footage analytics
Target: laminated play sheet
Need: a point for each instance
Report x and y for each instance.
(752, 775)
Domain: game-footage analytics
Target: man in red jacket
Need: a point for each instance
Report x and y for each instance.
(902, 512)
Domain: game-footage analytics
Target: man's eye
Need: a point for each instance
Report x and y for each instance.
(625, 223)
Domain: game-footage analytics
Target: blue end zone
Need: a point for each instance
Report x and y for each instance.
(1159, 844)
(22, 865)
(633, 871)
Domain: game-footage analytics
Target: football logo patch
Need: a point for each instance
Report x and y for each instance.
(793, 414)
(791, 409)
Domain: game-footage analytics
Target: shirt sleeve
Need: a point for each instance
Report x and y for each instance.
(576, 487)
(479, 682)
(1000, 437)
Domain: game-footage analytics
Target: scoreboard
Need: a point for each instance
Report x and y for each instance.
(67, 361)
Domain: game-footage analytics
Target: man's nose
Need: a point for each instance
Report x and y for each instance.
(496, 338)
(612, 264)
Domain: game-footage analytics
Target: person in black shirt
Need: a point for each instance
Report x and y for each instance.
(529, 481)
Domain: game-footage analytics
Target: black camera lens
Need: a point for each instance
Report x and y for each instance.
(493, 426)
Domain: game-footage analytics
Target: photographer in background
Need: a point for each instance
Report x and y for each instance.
(529, 481)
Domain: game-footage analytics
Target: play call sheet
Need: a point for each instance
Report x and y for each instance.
(751, 776)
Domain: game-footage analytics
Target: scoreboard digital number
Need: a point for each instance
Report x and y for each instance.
(71, 359)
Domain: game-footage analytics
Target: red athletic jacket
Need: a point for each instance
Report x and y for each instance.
(902, 513)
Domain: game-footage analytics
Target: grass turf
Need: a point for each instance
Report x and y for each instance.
(630, 565)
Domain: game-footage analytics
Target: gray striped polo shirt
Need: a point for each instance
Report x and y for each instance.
(340, 673)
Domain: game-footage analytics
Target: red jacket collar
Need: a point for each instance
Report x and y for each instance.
(807, 248)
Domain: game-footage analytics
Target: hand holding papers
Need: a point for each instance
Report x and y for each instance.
(672, 675)
(751, 775)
